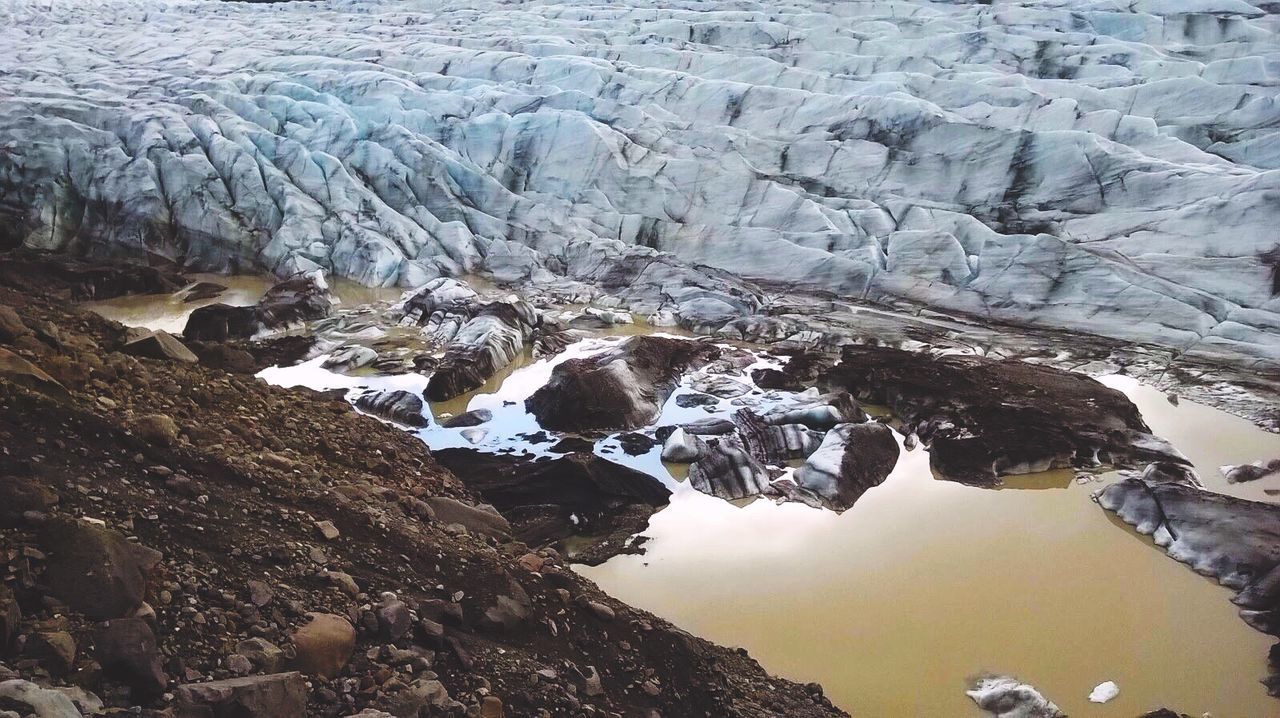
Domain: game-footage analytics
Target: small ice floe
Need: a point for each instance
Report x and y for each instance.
(1104, 692)
(1249, 472)
(1005, 697)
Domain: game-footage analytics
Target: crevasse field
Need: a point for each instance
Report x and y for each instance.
(1101, 166)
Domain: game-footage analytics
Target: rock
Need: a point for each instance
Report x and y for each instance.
(982, 418)
(260, 594)
(577, 491)
(323, 645)
(264, 655)
(531, 562)
(156, 429)
(851, 459)
(623, 388)
(452, 511)
(475, 417)
(280, 695)
(800, 372)
(11, 326)
(10, 616)
(20, 371)
(160, 345)
(95, 570)
(1005, 697)
(774, 443)
(1104, 692)
(428, 694)
(591, 684)
(327, 530)
(400, 406)
(126, 648)
(491, 707)
(56, 649)
(220, 322)
(22, 494)
(40, 702)
(600, 611)
(394, 620)
(300, 298)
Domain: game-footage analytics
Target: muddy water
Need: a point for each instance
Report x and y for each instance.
(170, 312)
(896, 603)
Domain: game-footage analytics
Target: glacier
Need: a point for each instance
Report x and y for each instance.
(1090, 165)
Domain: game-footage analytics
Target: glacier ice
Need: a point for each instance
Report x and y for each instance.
(1103, 166)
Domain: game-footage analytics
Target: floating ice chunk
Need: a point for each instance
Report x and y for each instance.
(1005, 697)
(1104, 692)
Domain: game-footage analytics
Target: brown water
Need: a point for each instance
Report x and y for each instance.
(170, 312)
(897, 603)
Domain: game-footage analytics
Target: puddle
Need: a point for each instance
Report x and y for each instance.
(897, 603)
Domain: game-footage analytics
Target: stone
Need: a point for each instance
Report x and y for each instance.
(394, 620)
(491, 707)
(11, 326)
(95, 570)
(264, 655)
(126, 648)
(220, 322)
(40, 702)
(160, 345)
(156, 429)
(400, 406)
(681, 447)
(323, 645)
(22, 494)
(451, 511)
(300, 298)
(424, 693)
(623, 388)
(55, 649)
(260, 594)
(327, 530)
(600, 610)
(279, 695)
(20, 371)
(10, 616)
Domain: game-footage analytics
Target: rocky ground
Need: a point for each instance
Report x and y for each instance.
(167, 523)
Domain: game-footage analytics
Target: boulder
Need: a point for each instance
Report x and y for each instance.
(820, 413)
(400, 406)
(622, 388)
(221, 322)
(126, 648)
(774, 443)
(95, 570)
(681, 447)
(478, 520)
(55, 649)
(492, 338)
(264, 655)
(36, 701)
(20, 371)
(350, 357)
(160, 345)
(851, 459)
(11, 326)
(323, 645)
(156, 429)
(279, 695)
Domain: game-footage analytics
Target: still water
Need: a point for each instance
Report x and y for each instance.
(895, 605)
